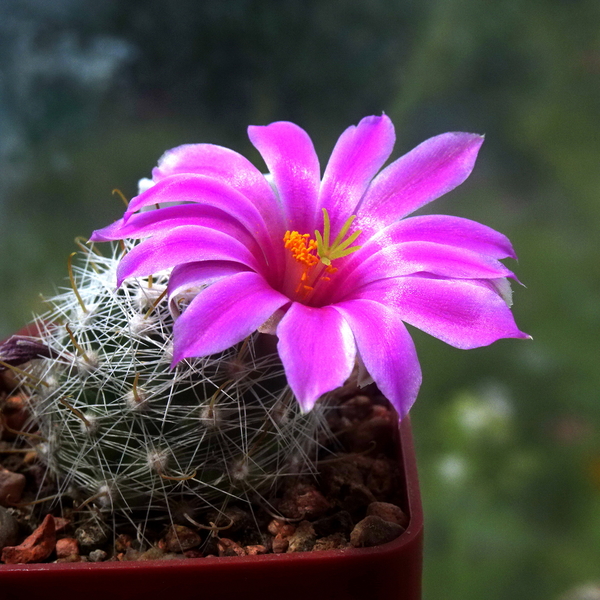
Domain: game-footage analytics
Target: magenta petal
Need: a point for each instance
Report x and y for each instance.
(150, 222)
(291, 158)
(224, 314)
(183, 245)
(386, 349)
(317, 349)
(220, 163)
(452, 231)
(210, 192)
(190, 278)
(228, 166)
(414, 257)
(357, 157)
(432, 169)
(461, 312)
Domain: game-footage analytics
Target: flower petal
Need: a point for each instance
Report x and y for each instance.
(317, 349)
(210, 192)
(432, 169)
(461, 312)
(228, 166)
(224, 314)
(188, 279)
(452, 231)
(183, 245)
(357, 157)
(386, 349)
(150, 222)
(414, 257)
(291, 158)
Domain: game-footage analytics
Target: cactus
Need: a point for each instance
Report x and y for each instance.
(125, 432)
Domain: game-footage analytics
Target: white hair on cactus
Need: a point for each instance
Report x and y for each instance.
(129, 433)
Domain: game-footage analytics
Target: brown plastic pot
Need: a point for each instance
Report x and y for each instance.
(386, 572)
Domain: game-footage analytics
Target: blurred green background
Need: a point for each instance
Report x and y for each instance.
(508, 436)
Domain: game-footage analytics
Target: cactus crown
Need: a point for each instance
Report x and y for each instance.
(124, 432)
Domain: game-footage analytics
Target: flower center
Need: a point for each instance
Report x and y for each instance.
(309, 260)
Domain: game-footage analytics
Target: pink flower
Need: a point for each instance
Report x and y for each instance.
(330, 264)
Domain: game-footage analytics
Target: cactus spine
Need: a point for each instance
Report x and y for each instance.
(125, 432)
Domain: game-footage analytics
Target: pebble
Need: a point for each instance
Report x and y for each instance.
(339, 475)
(280, 544)
(228, 547)
(129, 554)
(90, 536)
(36, 548)
(180, 538)
(312, 504)
(123, 541)
(303, 500)
(98, 555)
(60, 524)
(358, 496)
(67, 547)
(156, 554)
(232, 517)
(331, 542)
(277, 526)
(372, 531)
(388, 512)
(382, 477)
(341, 521)
(69, 559)
(255, 549)
(11, 487)
(9, 528)
(303, 539)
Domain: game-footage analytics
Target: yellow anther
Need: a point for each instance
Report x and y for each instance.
(303, 248)
(312, 257)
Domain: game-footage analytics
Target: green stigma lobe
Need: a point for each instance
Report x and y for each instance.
(340, 247)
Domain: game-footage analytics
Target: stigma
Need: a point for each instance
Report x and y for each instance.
(309, 262)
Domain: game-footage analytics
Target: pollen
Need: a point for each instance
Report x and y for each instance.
(309, 260)
(302, 247)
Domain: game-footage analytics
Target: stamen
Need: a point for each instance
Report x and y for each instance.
(101, 494)
(23, 373)
(73, 283)
(158, 301)
(316, 255)
(121, 195)
(76, 412)
(136, 396)
(86, 245)
(182, 478)
(302, 247)
(212, 527)
(78, 347)
(34, 436)
(34, 502)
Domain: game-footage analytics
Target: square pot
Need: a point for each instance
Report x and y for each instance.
(384, 572)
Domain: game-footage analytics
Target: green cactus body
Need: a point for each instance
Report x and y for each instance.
(126, 432)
